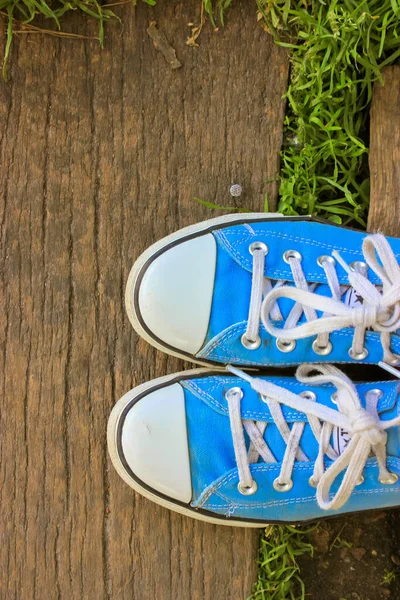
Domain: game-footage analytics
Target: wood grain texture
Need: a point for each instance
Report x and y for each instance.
(101, 153)
(384, 161)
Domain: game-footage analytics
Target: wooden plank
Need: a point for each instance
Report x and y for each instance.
(101, 153)
(384, 161)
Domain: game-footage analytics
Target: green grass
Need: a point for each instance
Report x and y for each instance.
(28, 11)
(279, 575)
(338, 49)
(388, 577)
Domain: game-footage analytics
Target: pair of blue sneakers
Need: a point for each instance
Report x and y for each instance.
(239, 441)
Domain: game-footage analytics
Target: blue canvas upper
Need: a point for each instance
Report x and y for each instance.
(233, 280)
(332, 298)
(212, 460)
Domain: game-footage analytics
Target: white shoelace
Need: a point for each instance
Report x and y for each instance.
(366, 430)
(379, 311)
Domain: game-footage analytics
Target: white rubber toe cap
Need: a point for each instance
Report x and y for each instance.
(176, 292)
(154, 442)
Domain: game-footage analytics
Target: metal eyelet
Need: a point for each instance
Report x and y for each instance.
(377, 392)
(334, 398)
(247, 491)
(393, 478)
(250, 344)
(233, 391)
(282, 487)
(285, 345)
(359, 266)
(308, 395)
(325, 259)
(358, 355)
(361, 480)
(258, 246)
(292, 254)
(322, 350)
(312, 482)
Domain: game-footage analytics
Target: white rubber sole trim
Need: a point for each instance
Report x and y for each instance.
(154, 249)
(112, 443)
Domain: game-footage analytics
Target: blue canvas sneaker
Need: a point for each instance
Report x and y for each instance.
(242, 450)
(267, 290)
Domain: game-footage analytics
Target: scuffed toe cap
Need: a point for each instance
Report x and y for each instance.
(176, 291)
(154, 442)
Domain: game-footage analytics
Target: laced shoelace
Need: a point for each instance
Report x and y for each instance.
(366, 430)
(379, 310)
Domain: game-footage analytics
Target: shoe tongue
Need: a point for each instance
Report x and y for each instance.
(340, 439)
(352, 299)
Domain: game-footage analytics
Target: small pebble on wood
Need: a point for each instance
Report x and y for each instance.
(235, 190)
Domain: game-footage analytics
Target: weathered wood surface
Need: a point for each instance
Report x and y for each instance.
(102, 153)
(384, 162)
